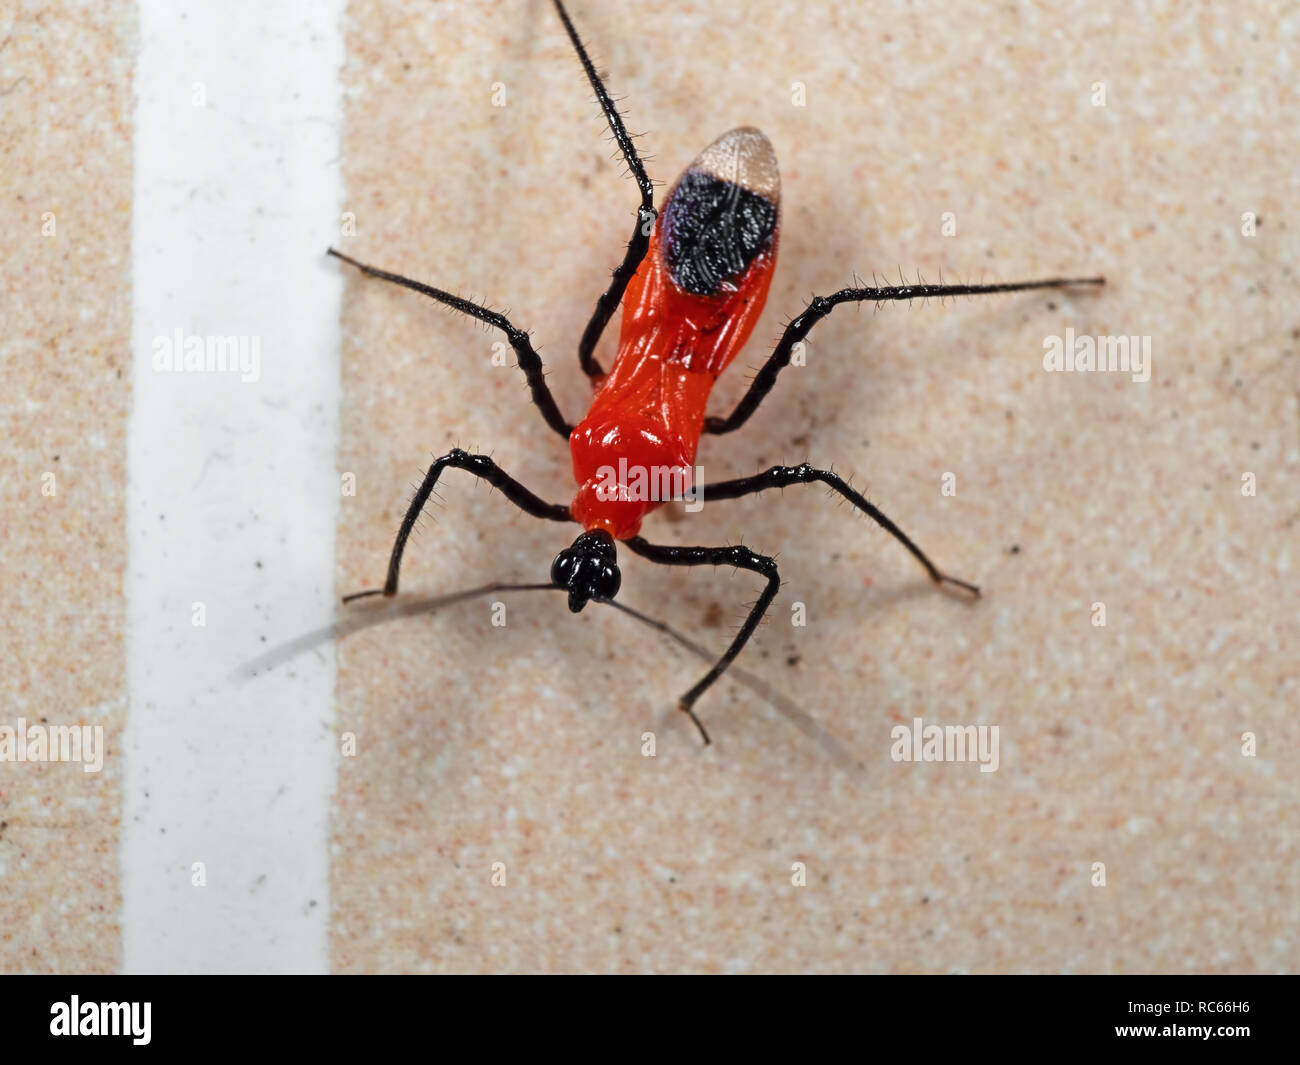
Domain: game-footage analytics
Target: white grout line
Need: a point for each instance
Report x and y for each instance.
(232, 489)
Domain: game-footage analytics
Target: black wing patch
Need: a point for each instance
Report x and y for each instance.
(713, 230)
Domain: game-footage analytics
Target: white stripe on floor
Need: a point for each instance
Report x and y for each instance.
(232, 491)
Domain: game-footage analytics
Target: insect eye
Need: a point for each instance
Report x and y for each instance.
(608, 583)
(561, 569)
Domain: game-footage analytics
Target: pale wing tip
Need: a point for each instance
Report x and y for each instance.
(745, 157)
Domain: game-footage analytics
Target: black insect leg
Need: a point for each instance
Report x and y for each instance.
(741, 557)
(821, 306)
(781, 476)
(645, 215)
(529, 361)
(480, 466)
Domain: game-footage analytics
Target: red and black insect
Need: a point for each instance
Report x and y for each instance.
(693, 283)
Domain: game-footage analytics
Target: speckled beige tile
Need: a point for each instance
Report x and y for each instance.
(65, 196)
(1120, 744)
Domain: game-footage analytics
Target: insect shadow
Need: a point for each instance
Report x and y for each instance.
(357, 621)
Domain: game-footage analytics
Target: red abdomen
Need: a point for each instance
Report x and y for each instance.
(686, 314)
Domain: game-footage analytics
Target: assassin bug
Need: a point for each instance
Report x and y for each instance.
(692, 283)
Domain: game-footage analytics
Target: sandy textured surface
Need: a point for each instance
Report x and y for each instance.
(1120, 744)
(65, 152)
(522, 745)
